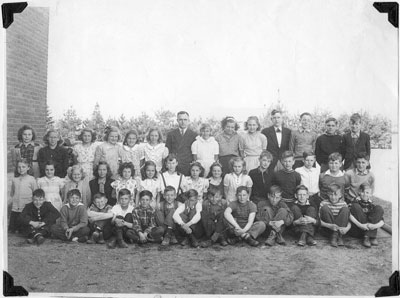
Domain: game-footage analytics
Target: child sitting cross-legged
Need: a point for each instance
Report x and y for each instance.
(122, 219)
(187, 216)
(334, 215)
(212, 218)
(74, 219)
(144, 225)
(366, 216)
(38, 217)
(240, 216)
(305, 217)
(100, 215)
(276, 215)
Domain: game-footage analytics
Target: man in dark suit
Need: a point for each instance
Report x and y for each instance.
(179, 141)
(278, 137)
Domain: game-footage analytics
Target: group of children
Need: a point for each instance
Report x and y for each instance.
(168, 208)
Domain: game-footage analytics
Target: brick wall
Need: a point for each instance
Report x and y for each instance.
(26, 56)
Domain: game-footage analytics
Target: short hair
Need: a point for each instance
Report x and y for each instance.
(22, 160)
(275, 189)
(255, 118)
(74, 192)
(301, 187)
(144, 193)
(237, 159)
(144, 169)
(212, 192)
(46, 137)
(362, 155)
(75, 168)
(191, 193)
(229, 119)
(96, 170)
(169, 188)
(182, 113)
(126, 165)
(305, 114)
(131, 132)
(335, 156)
(160, 135)
(331, 119)
(287, 154)
(242, 188)
(355, 117)
(334, 187)
(274, 111)
(308, 153)
(215, 164)
(197, 164)
(204, 126)
(124, 192)
(110, 129)
(38, 193)
(21, 131)
(170, 157)
(92, 132)
(99, 195)
(364, 186)
(266, 154)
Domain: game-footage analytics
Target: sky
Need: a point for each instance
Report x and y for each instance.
(217, 58)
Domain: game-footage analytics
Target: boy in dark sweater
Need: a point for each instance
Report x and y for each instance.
(74, 220)
(261, 178)
(287, 179)
(38, 217)
(328, 143)
(354, 142)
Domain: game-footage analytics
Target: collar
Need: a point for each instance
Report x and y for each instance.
(148, 208)
(280, 127)
(360, 200)
(151, 146)
(363, 173)
(302, 130)
(102, 180)
(306, 204)
(32, 143)
(182, 130)
(127, 148)
(261, 171)
(339, 174)
(69, 206)
(209, 140)
(355, 135)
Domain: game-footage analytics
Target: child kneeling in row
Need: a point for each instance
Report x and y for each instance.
(100, 215)
(240, 216)
(188, 216)
(38, 217)
(276, 215)
(74, 219)
(366, 216)
(144, 225)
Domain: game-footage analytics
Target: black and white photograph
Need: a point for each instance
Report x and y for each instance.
(199, 147)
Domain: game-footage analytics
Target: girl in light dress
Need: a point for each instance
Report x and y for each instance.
(27, 149)
(236, 178)
(132, 151)
(196, 180)
(151, 183)
(154, 149)
(205, 149)
(110, 151)
(126, 180)
(84, 153)
(252, 143)
(52, 186)
(216, 178)
(77, 180)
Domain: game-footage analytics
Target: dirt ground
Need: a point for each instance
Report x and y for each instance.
(58, 267)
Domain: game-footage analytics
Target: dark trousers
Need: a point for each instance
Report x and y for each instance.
(212, 223)
(256, 229)
(31, 232)
(197, 228)
(104, 226)
(120, 232)
(315, 200)
(299, 211)
(267, 214)
(58, 232)
(15, 223)
(342, 219)
(165, 220)
(373, 217)
(155, 234)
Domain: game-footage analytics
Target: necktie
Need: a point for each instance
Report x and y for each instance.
(278, 130)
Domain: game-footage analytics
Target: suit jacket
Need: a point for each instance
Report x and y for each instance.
(351, 150)
(182, 147)
(272, 145)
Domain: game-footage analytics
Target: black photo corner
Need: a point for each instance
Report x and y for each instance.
(393, 289)
(8, 10)
(9, 289)
(392, 9)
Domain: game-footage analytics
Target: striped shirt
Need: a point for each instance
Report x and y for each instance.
(335, 208)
